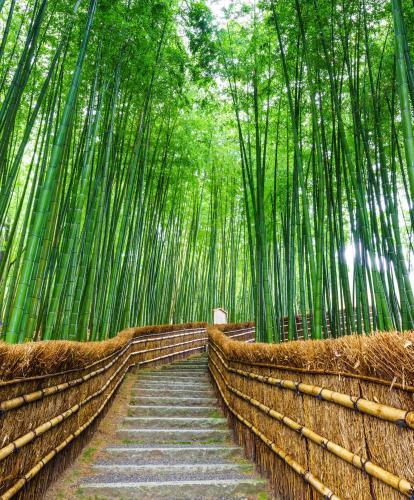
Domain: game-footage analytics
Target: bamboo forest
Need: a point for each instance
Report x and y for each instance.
(161, 158)
(206, 249)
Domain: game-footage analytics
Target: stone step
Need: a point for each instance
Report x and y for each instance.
(189, 489)
(173, 385)
(167, 391)
(171, 454)
(184, 367)
(202, 360)
(184, 364)
(128, 472)
(183, 436)
(172, 376)
(172, 401)
(189, 362)
(174, 423)
(170, 368)
(199, 374)
(171, 380)
(199, 379)
(171, 411)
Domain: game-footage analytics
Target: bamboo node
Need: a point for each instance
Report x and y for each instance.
(409, 492)
(319, 395)
(409, 419)
(364, 462)
(303, 474)
(299, 430)
(355, 402)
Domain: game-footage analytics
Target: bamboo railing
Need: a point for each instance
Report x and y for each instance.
(315, 432)
(47, 413)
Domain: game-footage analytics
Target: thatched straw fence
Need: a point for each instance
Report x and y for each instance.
(330, 418)
(53, 394)
(243, 332)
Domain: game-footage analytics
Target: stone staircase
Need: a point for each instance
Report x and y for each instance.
(175, 443)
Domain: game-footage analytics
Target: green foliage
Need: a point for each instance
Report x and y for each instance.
(156, 162)
(200, 32)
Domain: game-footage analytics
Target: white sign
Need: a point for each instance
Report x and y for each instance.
(219, 316)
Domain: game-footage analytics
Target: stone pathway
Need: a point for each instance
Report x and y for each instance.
(175, 443)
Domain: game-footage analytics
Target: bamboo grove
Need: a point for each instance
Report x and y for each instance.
(323, 101)
(157, 161)
(97, 233)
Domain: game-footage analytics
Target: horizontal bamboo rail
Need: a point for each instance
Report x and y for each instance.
(39, 466)
(402, 418)
(119, 362)
(34, 471)
(312, 371)
(241, 331)
(307, 476)
(17, 402)
(148, 338)
(250, 331)
(396, 482)
(28, 398)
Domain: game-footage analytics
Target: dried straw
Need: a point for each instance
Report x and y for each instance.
(318, 409)
(35, 414)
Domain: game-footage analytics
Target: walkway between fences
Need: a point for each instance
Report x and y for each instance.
(53, 395)
(174, 443)
(331, 418)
